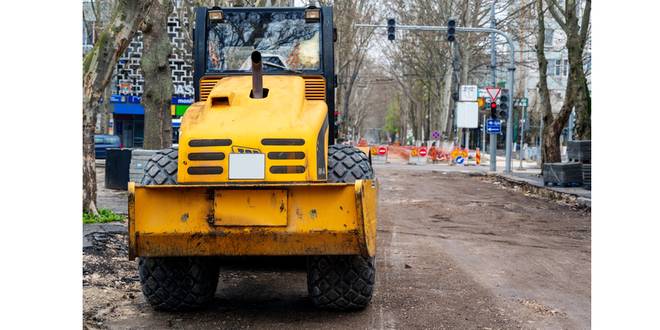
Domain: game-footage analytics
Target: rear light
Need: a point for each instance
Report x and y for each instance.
(121, 145)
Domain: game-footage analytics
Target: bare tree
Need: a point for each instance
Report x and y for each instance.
(98, 66)
(100, 12)
(577, 34)
(553, 125)
(157, 78)
(351, 49)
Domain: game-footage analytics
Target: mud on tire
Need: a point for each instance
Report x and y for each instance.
(162, 167)
(175, 284)
(340, 282)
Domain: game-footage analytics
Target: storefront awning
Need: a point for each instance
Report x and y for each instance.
(128, 108)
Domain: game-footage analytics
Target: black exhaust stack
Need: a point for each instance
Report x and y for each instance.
(257, 77)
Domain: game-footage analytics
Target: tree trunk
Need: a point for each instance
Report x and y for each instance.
(550, 148)
(576, 39)
(552, 127)
(105, 110)
(583, 112)
(157, 77)
(98, 66)
(575, 52)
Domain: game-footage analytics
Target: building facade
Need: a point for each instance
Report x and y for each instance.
(127, 84)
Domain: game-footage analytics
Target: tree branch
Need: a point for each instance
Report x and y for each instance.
(556, 13)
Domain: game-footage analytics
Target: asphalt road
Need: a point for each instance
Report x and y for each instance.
(455, 251)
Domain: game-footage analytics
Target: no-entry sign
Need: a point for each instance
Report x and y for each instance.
(382, 150)
(422, 151)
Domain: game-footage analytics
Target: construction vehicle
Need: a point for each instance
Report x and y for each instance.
(256, 172)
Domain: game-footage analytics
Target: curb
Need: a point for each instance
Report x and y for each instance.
(545, 191)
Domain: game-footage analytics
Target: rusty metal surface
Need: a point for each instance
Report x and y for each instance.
(256, 242)
(318, 218)
(267, 207)
(132, 253)
(366, 193)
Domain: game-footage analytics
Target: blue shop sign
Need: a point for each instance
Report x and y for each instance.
(182, 100)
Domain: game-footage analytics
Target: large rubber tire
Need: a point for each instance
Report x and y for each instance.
(343, 282)
(162, 167)
(174, 283)
(178, 283)
(347, 164)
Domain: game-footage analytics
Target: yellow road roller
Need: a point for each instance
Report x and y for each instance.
(256, 171)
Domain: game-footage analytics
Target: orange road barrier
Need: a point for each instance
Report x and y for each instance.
(477, 156)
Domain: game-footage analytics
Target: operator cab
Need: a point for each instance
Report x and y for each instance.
(292, 41)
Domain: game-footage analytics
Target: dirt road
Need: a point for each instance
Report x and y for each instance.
(454, 251)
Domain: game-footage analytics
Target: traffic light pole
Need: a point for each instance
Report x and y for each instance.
(523, 120)
(511, 69)
(493, 66)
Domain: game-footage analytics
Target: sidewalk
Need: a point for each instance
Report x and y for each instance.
(529, 175)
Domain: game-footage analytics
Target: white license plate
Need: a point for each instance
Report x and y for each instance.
(246, 166)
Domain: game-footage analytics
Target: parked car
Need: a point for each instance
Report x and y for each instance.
(103, 142)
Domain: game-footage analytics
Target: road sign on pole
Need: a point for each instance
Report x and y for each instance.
(520, 102)
(467, 114)
(493, 92)
(493, 126)
(422, 151)
(469, 93)
(435, 135)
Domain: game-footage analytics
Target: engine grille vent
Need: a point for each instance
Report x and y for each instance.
(206, 84)
(314, 88)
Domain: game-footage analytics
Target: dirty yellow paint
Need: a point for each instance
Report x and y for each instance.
(250, 207)
(321, 218)
(230, 113)
(367, 192)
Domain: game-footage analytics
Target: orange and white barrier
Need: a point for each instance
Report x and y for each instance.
(379, 153)
(418, 155)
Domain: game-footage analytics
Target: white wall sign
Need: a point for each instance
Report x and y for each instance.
(467, 114)
(469, 93)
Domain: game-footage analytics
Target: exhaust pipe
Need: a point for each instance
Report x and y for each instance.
(257, 76)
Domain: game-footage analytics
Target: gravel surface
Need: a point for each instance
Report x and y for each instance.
(454, 251)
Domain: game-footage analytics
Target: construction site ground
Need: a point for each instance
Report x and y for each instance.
(456, 250)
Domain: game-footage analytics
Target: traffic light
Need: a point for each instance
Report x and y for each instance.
(390, 28)
(504, 103)
(451, 30)
(493, 110)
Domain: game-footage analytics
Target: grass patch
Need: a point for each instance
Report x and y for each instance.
(104, 216)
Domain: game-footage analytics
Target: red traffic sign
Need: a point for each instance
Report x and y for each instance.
(422, 151)
(382, 150)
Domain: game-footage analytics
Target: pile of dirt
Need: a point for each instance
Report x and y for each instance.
(109, 278)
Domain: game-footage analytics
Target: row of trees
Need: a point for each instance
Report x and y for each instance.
(426, 70)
